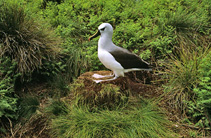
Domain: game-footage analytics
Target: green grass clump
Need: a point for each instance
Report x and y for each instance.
(27, 107)
(184, 19)
(24, 39)
(136, 122)
(183, 73)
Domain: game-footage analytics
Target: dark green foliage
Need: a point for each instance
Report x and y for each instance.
(8, 100)
(27, 107)
(200, 109)
(51, 69)
(155, 26)
(57, 108)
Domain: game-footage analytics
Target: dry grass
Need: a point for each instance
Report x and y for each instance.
(36, 127)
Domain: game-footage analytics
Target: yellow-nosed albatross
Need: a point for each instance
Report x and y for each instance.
(115, 58)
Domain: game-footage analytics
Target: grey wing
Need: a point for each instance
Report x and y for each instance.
(128, 60)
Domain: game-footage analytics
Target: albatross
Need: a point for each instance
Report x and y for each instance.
(115, 58)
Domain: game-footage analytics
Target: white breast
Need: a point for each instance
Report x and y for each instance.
(109, 61)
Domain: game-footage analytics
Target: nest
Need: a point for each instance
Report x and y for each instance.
(111, 94)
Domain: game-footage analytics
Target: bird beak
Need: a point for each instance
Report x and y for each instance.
(94, 35)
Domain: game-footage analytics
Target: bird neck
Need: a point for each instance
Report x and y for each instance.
(105, 41)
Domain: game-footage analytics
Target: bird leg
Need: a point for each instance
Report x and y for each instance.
(98, 81)
(98, 76)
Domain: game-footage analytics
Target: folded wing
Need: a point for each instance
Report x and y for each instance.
(128, 60)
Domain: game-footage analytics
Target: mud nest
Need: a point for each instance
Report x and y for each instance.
(113, 93)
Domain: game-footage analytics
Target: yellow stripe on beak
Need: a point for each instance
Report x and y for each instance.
(94, 35)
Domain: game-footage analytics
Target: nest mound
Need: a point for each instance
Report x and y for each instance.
(139, 82)
(112, 94)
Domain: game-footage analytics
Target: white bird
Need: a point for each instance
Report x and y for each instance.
(115, 58)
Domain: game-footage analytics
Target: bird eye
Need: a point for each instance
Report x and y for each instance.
(102, 29)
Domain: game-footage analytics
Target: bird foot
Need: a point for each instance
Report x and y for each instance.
(98, 81)
(98, 76)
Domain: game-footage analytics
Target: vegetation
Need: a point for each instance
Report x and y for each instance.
(200, 109)
(44, 48)
(23, 39)
(144, 121)
(8, 100)
(183, 74)
(108, 97)
(188, 84)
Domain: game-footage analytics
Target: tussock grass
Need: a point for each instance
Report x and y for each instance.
(134, 122)
(56, 108)
(182, 73)
(181, 19)
(77, 63)
(24, 39)
(36, 127)
(27, 107)
(191, 27)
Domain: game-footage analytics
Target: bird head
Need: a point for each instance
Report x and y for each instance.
(103, 29)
